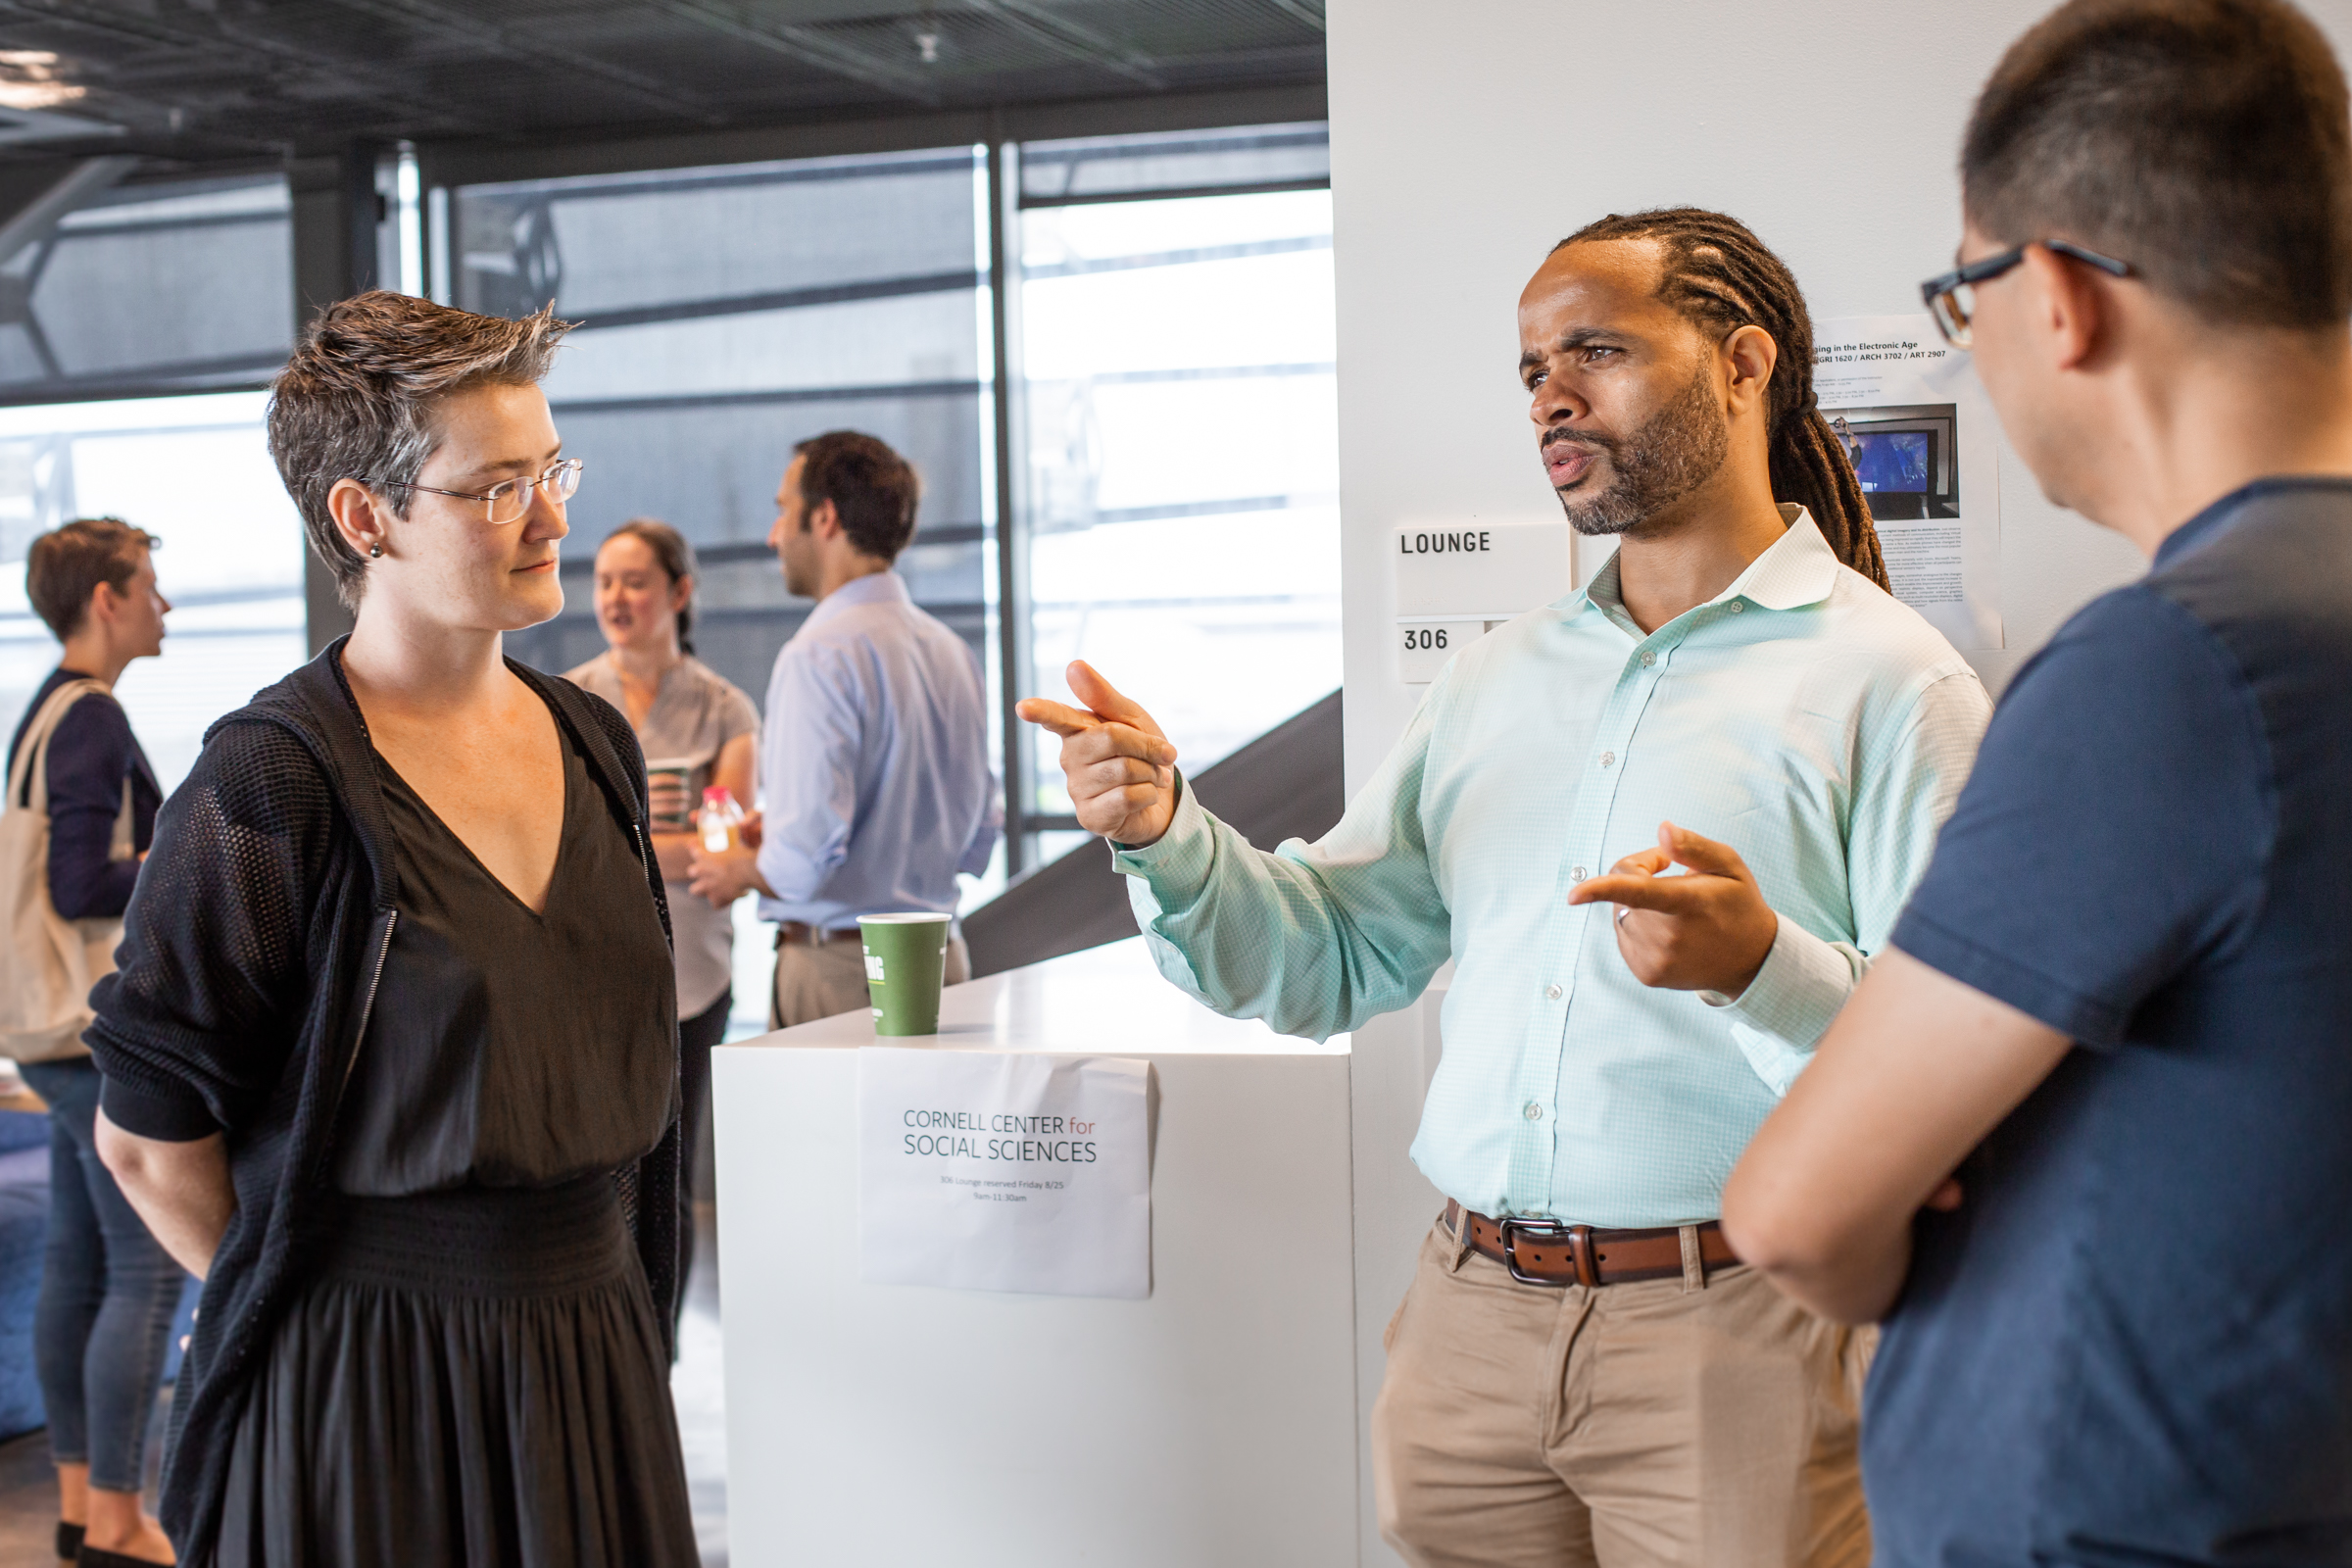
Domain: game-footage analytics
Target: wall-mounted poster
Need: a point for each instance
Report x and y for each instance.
(1908, 409)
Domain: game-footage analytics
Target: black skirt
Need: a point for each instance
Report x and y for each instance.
(471, 1378)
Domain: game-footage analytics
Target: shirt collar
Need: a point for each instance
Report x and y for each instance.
(874, 588)
(1798, 569)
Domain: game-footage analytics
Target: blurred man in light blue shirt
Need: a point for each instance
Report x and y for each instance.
(873, 764)
(1581, 1371)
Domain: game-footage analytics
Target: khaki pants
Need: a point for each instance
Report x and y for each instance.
(1646, 1423)
(822, 980)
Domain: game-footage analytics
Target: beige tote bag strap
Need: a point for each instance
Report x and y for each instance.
(33, 750)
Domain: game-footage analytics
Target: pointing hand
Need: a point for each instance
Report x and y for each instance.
(1708, 930)
(1121, 770)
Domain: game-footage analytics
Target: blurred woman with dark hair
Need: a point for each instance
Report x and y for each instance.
(699, 732)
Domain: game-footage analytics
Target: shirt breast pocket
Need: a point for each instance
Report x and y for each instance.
(1791, 828)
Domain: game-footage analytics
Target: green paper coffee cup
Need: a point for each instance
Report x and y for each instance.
(905, 962)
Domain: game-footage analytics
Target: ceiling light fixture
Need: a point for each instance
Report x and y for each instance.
(29, 79)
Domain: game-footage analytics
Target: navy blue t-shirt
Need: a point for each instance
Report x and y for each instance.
(2133, 1343)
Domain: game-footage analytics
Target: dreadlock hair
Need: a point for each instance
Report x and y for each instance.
(1723, 277)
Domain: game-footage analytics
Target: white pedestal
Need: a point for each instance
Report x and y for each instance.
(1215, 1423)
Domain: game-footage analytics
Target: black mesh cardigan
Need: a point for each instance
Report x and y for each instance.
(249, 960)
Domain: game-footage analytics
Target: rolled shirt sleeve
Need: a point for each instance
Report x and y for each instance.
(975, 861)
(975, 857)
(809, 771)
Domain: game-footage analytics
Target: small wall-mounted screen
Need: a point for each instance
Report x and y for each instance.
(1905, 457)
(1891, 460)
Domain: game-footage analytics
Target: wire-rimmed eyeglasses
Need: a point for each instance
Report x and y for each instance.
(507, 502)
(1952, 298)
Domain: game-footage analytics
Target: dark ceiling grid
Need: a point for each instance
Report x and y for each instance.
(213, 85)
(894, 77)
(104, 42)
(1074, 39)
(532, 52)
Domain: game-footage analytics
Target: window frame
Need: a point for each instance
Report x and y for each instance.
(375, 210)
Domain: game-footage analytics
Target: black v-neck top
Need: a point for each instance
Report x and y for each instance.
(512, 1048)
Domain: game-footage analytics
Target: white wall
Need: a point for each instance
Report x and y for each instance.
(1467, 138)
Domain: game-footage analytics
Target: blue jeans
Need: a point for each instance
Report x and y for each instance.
(108, 1294)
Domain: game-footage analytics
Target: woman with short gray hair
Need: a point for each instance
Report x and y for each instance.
(391, 1058)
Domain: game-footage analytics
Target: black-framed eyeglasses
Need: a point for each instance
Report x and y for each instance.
(507, 502)
(1952, 298)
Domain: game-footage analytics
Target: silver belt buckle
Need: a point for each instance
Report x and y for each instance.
(1512, 1229)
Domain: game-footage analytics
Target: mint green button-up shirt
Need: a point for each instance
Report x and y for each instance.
(1803, 716)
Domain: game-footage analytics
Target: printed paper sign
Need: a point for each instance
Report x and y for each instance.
(1457, 581)
(1480, 571)
(986, 1170)
(1910, 412)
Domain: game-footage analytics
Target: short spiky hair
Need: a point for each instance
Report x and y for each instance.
(2203, 141)
(357, 401)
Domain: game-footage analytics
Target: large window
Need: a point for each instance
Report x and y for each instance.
(726, 314)
(148, 288)
(195, 472)
(134, 290)
(1182, 506)
(1150, 486)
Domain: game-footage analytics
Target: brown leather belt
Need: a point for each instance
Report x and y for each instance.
(800, 935)
(1545, 1252)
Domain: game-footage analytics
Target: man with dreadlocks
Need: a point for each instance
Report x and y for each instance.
(1581, 1372)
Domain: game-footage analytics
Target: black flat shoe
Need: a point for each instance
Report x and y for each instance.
(91, 1556)
(69, 1541)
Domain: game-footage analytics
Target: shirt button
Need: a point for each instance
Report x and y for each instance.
(1738, 605)
(1648, 658)
(1577, 873)
(1608, 758)
(1533, 1112)
(1554, 992)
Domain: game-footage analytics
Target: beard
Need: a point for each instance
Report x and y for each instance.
(1681, 448)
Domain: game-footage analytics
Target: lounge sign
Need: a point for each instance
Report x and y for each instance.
(1457, 581)
(986, 1170)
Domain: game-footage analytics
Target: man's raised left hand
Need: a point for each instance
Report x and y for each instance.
(1708, 929)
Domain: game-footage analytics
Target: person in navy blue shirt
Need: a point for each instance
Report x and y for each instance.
(2083, 1136)
(93, 753)
(109, 1290)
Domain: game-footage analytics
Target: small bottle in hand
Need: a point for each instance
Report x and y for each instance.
(719, 823)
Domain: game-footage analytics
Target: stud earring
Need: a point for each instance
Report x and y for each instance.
(375, 552)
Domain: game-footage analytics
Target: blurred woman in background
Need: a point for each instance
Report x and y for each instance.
(108, 1287)
(699, 732)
